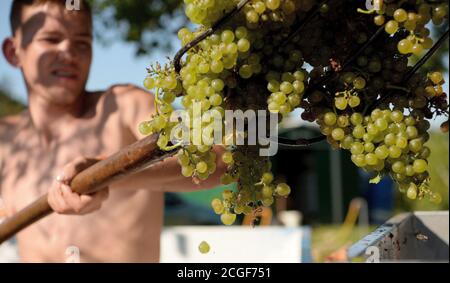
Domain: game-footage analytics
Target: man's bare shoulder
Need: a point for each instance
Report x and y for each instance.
(11, 125)
(133, 103)
(130, 94)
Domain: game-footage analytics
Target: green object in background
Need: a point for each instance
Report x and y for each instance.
(8, 106)
(324, 181)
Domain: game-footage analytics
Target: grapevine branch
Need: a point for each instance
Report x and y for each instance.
(299, 142)
(227, 17)
(411, 73)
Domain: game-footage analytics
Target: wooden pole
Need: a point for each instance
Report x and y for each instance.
(130, 160)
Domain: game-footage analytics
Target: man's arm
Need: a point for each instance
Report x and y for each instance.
(136, 106)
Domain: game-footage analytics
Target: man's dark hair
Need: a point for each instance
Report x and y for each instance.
(18, 6)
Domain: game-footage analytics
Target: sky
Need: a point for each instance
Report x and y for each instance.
(114, 63)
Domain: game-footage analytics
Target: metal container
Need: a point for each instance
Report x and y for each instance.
(409, 237)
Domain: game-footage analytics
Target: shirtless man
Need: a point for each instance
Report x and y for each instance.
(44, 147)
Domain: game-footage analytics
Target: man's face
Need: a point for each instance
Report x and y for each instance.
(54, 51)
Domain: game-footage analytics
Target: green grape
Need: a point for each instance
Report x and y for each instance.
(369, 147)
(267, 178)
(354, 101)
(243, 45)
(391, 27)
(390, 139)
(415, 145)
(283, 190)
(379, 20)
(412, 191)
(394, 152)
(381, 124)
(204, 247)
(273, 4)
(358, 132)
(149, 83)
(330, 119)
(356, 119)
(409, 170)
(347, 142)
(252, 17)
(412, 132)
(228, 218)
(268, 201)
(245, 71)
(286, 87)
(359, 160)
(371, 159)
(146, 128)
(227, 157)
(397, 116)
(341, 103)
(227, 195)
(400, 15)
(401, 142)
(420, 166)
(260, 7)
(372, 129)
(202, 167)
(227, 36)
(343, 121)
(382, 152)
(436, 77)
(398, 167)
(241, 32)
(216, 100)
(187, 171)
(357, 148)
(359, 83)
(217, 205)
(338, 134)
(267, 191)
(417, 49)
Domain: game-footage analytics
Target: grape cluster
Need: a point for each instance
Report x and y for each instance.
(385, 142)
(286, 90)
(207, 12)
(258, 186)
(267, 57)
(412, 18)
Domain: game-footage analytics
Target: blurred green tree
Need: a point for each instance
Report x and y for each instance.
(8, 105)
(147, 23)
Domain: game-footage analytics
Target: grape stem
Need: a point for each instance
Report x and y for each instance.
(411, 73)
(299, 142)
(205, 34)
(394, 87)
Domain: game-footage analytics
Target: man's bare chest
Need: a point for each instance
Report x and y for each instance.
(28, 168)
